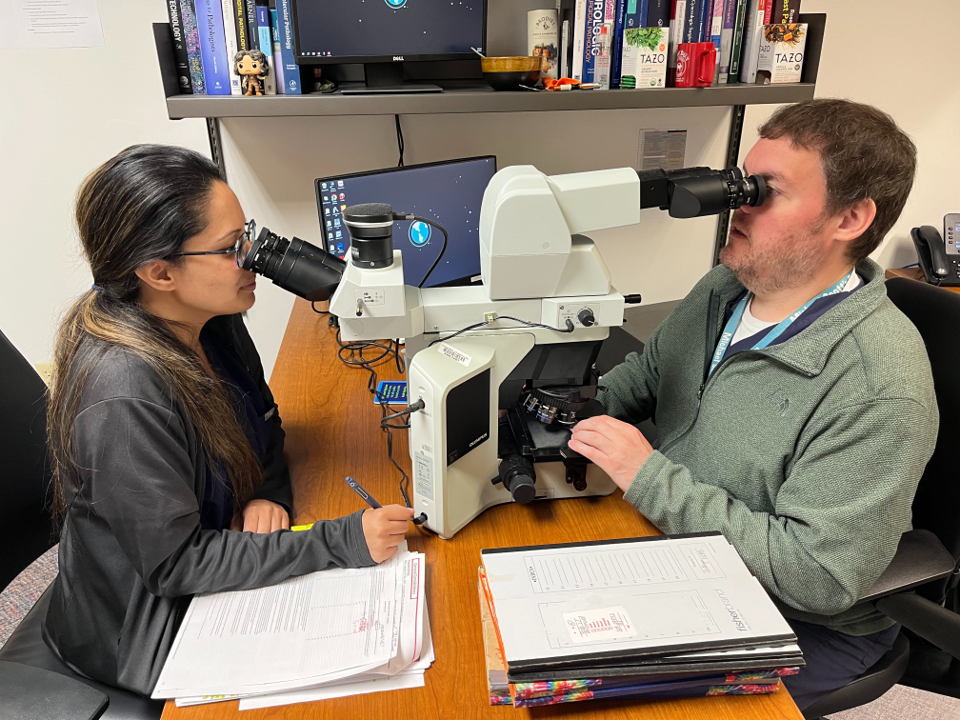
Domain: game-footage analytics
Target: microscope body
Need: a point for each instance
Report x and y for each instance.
(536, 269)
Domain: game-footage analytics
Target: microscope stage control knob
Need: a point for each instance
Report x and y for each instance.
(586, 317)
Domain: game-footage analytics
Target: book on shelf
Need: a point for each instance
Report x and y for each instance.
(232, 43)
(736, 46)
(592, 17)
(784, 12)
(213, 50)
(617, 53)
(191, 36)
(658, 14)
(752, 35)
(547, 640)
(291, 72)
(678, 17)
(277, 58)
(726, 39)
(266, 47)
(250, 19)
(179, 46)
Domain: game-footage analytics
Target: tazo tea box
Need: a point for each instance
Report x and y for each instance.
(781, 53)
(644, 60)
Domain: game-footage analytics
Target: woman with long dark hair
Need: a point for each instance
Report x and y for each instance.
(166, 445)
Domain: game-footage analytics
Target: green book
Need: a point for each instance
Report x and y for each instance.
(737, 44)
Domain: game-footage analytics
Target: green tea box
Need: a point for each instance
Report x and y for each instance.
(781, 53)
(643, 63)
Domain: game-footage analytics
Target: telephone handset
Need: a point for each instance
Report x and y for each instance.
(939, 260)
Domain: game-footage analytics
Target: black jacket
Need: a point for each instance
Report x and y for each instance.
(131, 549)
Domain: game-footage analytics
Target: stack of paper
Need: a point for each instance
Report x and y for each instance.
(328, 634)
(652, 617)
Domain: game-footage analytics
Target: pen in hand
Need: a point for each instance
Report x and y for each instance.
(372, 502)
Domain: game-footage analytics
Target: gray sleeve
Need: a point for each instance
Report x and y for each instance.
(629, 391)
(138, 479)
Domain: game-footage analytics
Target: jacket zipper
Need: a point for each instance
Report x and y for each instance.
(713, 320)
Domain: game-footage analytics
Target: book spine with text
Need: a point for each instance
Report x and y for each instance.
(291, 73)
(750, 55)
(216, 73)
(277, 56)
(678, 20)
(240, 24)
(191, 37)
(691, 24)
(250, 16)
(657, 14)
(179, 47)
(733, 75)
(786, 11)
(579, 25)
(716, 23)
(768, 14)
(230, 40)
(726, 38)
(266, 46)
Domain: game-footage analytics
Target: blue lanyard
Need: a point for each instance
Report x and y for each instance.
(734, 322)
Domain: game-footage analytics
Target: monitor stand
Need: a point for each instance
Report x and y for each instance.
(385, 78)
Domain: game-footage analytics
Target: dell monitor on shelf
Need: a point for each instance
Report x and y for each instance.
(449, 193)
(385, 34)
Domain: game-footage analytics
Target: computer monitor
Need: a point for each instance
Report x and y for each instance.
(449, 193)
(384, 34)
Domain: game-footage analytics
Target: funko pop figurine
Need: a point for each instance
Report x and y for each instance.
(252, 67)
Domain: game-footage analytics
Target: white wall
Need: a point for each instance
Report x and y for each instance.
(917, 85)
(70, 110)
(62, 113)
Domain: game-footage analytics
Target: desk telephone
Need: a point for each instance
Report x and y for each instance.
(939, 260)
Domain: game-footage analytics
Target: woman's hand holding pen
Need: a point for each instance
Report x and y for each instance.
(384, 529)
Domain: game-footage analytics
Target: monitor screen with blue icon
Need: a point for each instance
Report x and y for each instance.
(449, 193)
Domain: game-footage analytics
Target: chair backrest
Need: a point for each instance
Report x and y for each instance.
(26, 528)
(936, 314)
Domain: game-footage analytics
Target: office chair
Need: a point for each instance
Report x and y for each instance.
(35, 684)
(919, 588)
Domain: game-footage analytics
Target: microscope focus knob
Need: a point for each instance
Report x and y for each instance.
(586, 317)
(522, 489)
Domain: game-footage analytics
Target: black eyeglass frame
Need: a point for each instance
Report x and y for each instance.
(244, 242)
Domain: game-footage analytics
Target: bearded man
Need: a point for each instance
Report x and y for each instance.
(794, 403)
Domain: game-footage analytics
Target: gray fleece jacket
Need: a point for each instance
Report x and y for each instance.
(806, 455)
(132, 552)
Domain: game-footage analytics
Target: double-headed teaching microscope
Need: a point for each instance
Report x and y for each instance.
(498, 374)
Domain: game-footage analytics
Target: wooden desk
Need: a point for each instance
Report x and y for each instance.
(912, 273)
(332, 429)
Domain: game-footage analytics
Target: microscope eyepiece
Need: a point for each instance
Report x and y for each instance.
(295, 265)
(694, 192)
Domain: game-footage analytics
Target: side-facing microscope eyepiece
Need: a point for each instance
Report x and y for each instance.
(694, 192)
(295, 265)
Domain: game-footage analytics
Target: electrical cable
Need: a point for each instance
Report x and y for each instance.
(351, 353)
(568, 329)
(313, 306)
(399, 139)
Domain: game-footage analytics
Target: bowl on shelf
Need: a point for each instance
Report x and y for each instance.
(509, 73)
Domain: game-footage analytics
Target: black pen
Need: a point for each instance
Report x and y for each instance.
(369, 499)
(358, 489)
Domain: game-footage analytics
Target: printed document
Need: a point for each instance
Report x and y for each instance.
(311, 630)
(634, 598)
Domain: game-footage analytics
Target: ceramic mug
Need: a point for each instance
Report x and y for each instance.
(696, 64)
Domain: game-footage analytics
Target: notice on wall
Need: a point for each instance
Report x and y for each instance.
(661, 149)
(46, 24)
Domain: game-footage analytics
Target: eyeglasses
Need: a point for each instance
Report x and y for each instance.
(239, 250)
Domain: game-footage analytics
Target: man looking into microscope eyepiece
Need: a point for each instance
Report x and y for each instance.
(802, 429)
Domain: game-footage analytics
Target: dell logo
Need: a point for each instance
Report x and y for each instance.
(398, 58)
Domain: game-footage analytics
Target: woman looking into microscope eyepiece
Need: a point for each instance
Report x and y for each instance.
(166, 444)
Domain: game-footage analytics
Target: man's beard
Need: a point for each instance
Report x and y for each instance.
(791, 263)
